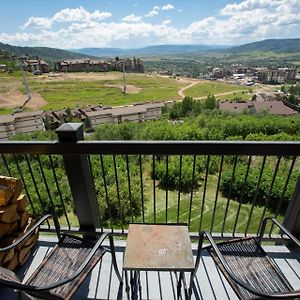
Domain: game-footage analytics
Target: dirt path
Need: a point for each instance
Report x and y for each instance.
(15, 98)
(181, 91)
(130, 89)
(222, 94)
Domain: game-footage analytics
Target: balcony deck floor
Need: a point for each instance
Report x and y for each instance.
(209, 283)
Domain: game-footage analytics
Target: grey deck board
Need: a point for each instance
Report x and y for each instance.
(102, 283)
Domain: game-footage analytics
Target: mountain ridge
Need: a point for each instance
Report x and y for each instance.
(55, 54)
(47, 53)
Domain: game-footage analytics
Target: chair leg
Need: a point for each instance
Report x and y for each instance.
(114, 260)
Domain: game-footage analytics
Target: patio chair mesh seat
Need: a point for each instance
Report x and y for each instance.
(250, 263)
(63, 260)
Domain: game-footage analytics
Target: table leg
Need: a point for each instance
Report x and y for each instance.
(190, 289)
(127, 288)
(136, 288)
(179, 285)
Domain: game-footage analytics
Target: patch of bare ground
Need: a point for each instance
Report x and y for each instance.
(130, 89)
(90, 76)
(14, 98)
(78, 76)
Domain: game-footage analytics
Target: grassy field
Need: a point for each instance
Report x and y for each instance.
(203, 89)
(160, 202)
(82, 89)
(79, 93)
(241, 95)
(207, 210)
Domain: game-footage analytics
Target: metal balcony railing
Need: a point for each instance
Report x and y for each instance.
(226, 188)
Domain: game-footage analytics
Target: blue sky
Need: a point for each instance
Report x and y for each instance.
(138, 23)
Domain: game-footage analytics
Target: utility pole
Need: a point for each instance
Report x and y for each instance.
(124, 80)
(123, 70)
(26, 84)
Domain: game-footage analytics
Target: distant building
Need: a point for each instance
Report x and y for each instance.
(273, 107)
(25, 122)
(2, 68)
(88, 65)
(277, 75)
(132, 113)
(36, 65)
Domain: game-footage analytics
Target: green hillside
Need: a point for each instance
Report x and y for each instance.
(49, 54)
(275, 45)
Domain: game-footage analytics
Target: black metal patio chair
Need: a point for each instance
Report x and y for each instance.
(249, 270)
(63, 270)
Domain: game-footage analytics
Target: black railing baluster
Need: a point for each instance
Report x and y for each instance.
(121, 211)
(94, 188)
(204, 193)
(154, 191)
(106, 193)
(167, 191)
(270, 190)
(6, 165)
(44, 188)
(25, 187)
(192, 190)
(229, 195)
(36, 188)
(142, 187)
(255, 195)
(179, 188)
(283, 191)
(46, 185)
(217, 193)
(242, 196)
(59, 191)
(129, 188)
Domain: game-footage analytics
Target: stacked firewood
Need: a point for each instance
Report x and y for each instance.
(15, 221)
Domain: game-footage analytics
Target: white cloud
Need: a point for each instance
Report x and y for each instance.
(166, 22)
(231, 9)
(132, 18)
(252, 20)
(67, 15)
(168, 7)
(79, 15)
(37, 22)
(153, 12)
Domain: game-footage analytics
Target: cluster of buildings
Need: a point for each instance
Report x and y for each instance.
(28, 122)
(135, 65)
(25, 122)
(33, 65)
(261, 103)
(86, 65)
(250, 75)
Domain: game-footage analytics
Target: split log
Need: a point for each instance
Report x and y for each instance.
(5, 194)
(22, 262)
(2, 255)
(4, 228)
(13, 228)
(23, 253)
(24, 218)
(9, 256)
(14, 183)
(21, 203)
(8, 214)
(13, 263)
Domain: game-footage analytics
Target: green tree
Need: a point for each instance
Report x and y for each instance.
(210, 102)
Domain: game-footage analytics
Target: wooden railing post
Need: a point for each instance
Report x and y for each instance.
(292, 217)
(80, 178)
